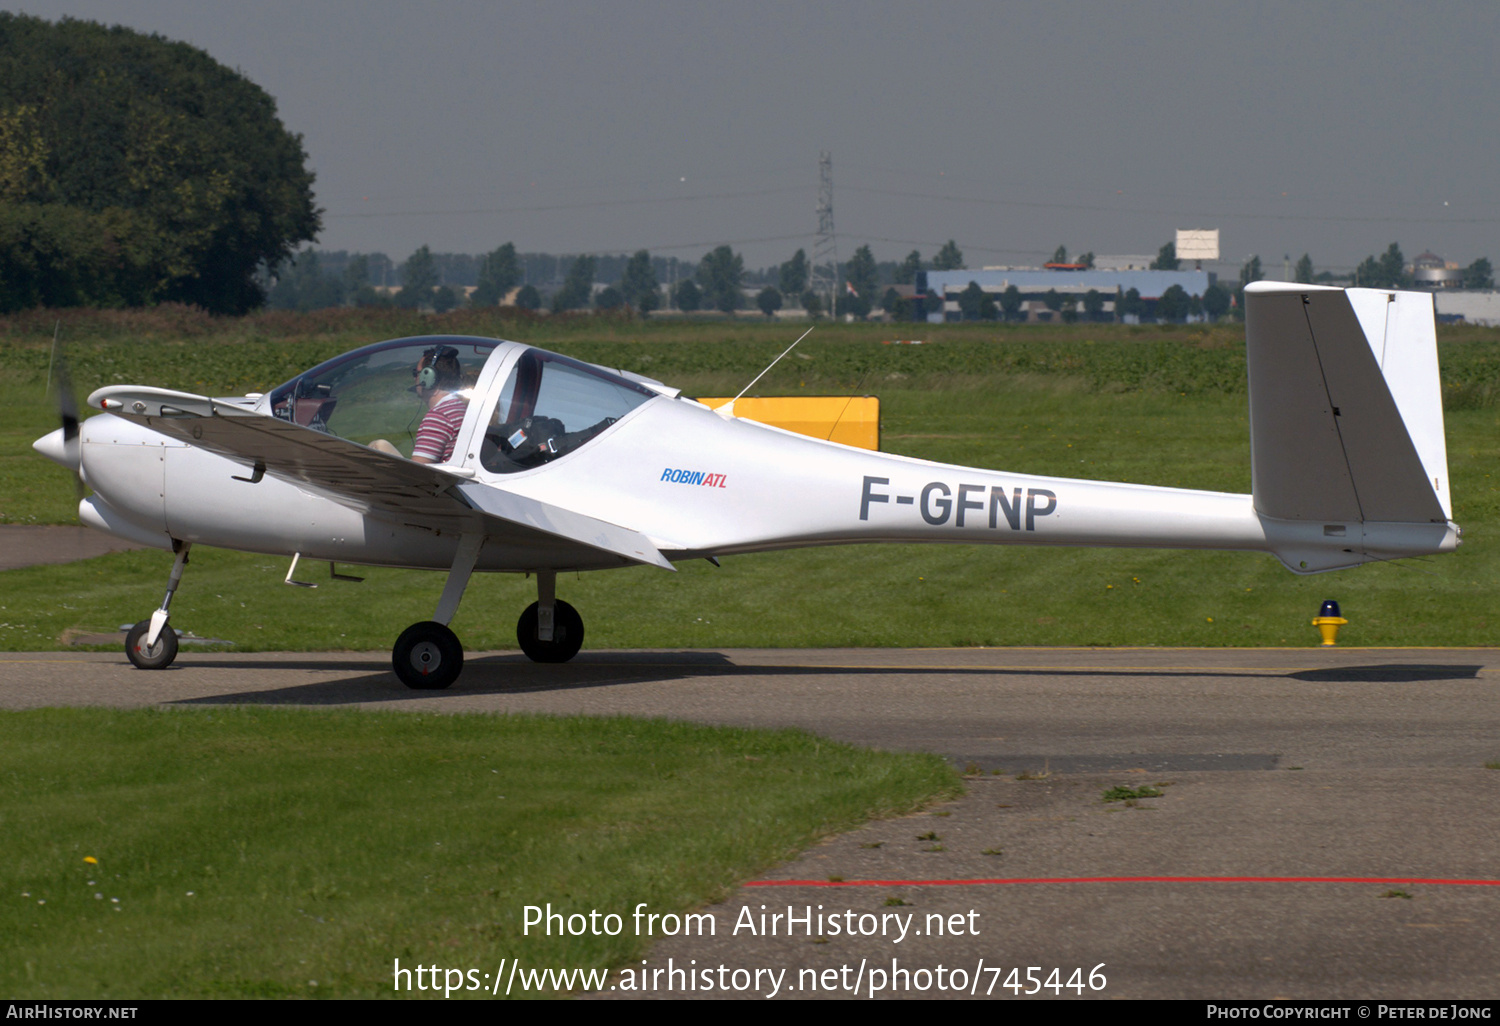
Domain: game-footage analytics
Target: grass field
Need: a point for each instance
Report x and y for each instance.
(1147, 404)
(264, 852)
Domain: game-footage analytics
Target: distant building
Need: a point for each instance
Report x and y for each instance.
(1124, 262)
(1430, 271)
(1468, 307)
(1034, 284)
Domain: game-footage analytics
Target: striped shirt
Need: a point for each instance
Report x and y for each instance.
(439, 429)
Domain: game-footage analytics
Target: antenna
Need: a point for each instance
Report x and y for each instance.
(825, 282)
(727, 410)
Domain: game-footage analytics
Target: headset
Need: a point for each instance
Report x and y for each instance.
(425, 372)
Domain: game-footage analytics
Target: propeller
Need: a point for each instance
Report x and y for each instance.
(63, 446)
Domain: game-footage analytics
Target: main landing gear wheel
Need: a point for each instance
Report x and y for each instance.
(156, 657)
(427, 656)
(567, 634)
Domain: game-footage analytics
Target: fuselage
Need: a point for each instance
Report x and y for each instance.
(697, 484)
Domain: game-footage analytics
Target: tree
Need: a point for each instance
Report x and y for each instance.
(419, 277)
(1216, 301)
(638, 283)
(528, 298)
(720, 273)
(1129, 304)
(1060, 255)
(1393, 268)
(1086, 259)
(578, 287)
(609, 298)
(1479, 275)
(302, 285)
(1303, 273)
(1010, 302)
(687, 297)
(1387, 271)
(136, 170)
(898, 307)
(357, 287)
(499, 272)
(769, 300)
(1070, 308)
(1166, 258)
(812, 303)
(1251, 271)
(949, 258)
(1172, 307)
(931, 303)
(1052, 300)
(969, 301)
(906, 273)
(793, 275)
(357, 272)
(444, 299)
(864, 277)
(1093, 304)
(977, 305)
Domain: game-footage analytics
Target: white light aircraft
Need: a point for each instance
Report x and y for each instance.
(560, 465)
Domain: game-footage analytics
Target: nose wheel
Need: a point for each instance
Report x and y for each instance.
(427, 656)
(567, 633)
(157, 656)
(151, 644)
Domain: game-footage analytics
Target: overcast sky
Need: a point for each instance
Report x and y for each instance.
(1328, 128)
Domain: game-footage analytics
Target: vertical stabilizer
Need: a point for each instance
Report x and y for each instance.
(1346, 416)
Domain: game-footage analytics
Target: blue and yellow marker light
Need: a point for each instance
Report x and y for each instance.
(1328, 621)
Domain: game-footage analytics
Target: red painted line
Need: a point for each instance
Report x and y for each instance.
(1433, 881)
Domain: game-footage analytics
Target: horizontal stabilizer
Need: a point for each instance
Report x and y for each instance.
(1346, 416)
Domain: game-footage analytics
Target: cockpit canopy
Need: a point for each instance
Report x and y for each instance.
(547, 406)
(368, 393)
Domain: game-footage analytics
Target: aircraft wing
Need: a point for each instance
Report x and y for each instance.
(364, 479)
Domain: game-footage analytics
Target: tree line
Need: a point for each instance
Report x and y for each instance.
(720, 281)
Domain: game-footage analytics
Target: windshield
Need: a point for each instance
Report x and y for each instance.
(371, 393)
(549, 406)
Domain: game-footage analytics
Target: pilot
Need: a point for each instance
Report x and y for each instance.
(440, 385)
(439, 381)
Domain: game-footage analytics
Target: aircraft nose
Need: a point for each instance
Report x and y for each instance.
(58, 449)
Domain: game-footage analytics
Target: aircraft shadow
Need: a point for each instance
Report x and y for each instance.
(516, 675)
(1395, 673)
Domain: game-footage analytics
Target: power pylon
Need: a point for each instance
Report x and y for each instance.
(825, 279)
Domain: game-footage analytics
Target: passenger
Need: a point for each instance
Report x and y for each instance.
(439, 382)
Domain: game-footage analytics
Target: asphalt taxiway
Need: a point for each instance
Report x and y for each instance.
(1325, 816)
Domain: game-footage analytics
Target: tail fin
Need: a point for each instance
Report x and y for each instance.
(1346, 415)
